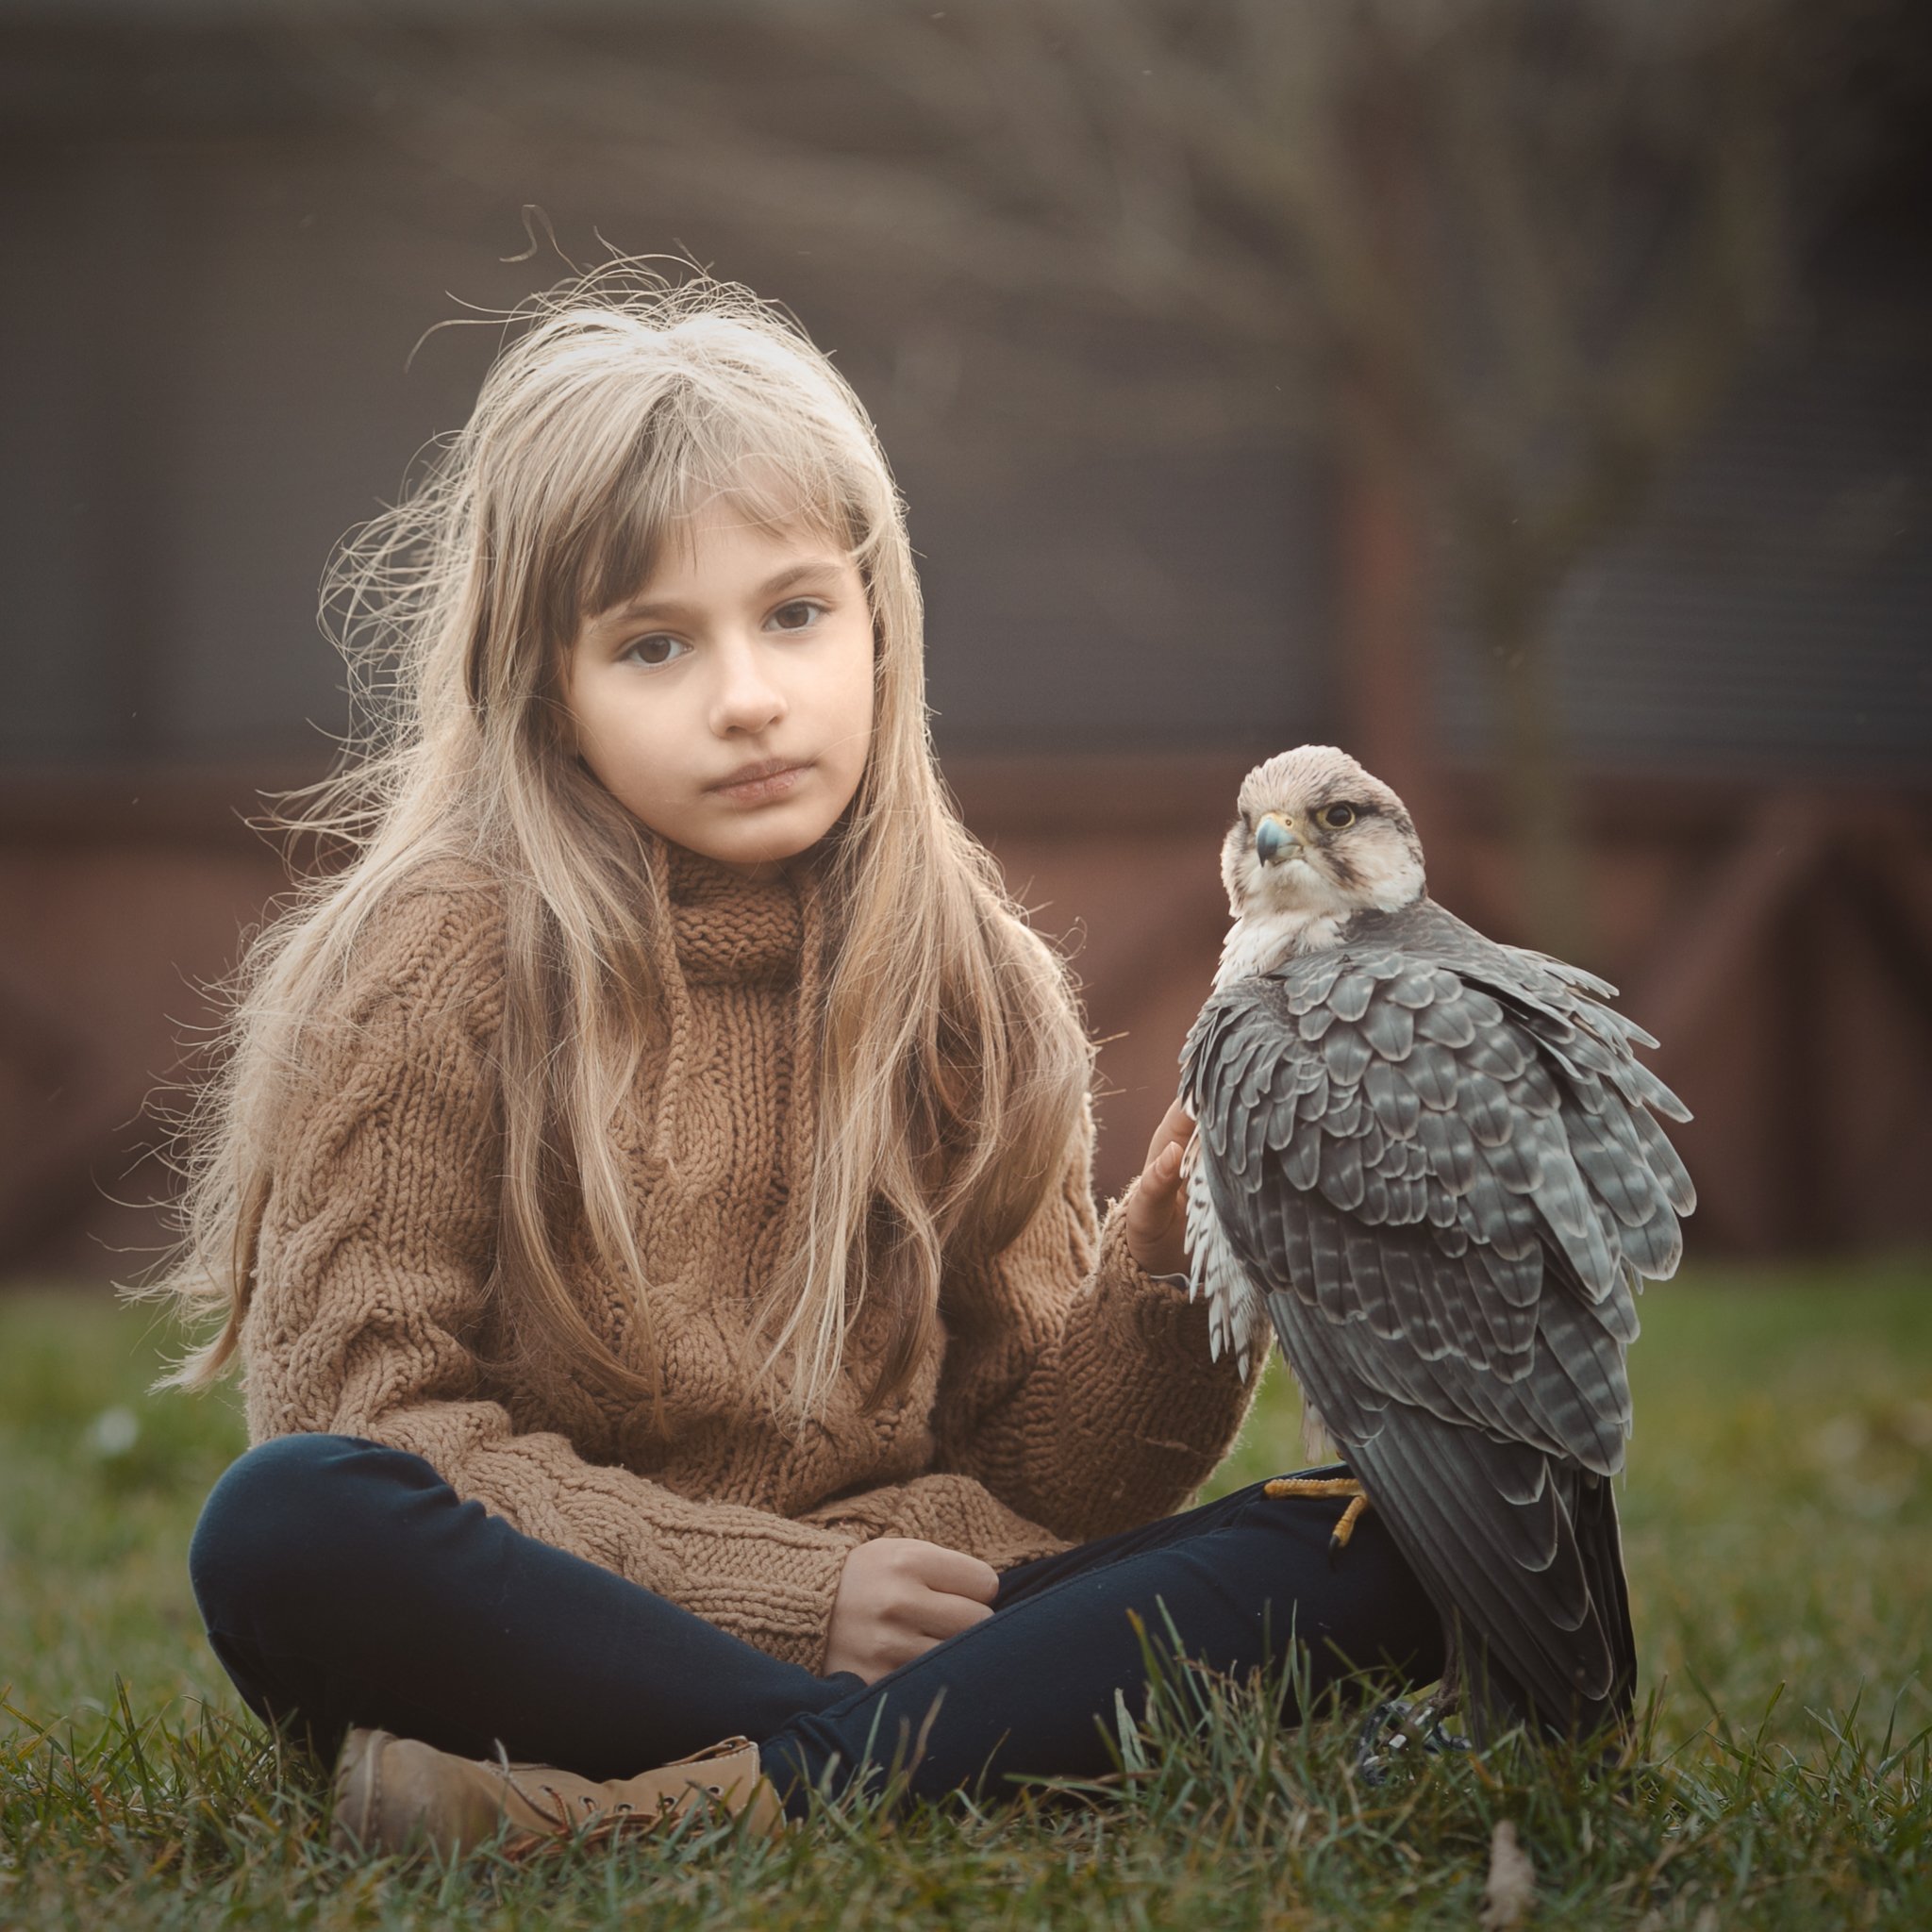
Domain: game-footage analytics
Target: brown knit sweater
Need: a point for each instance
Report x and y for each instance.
(1072, 1395)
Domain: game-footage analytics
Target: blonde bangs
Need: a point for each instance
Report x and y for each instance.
(736, 420)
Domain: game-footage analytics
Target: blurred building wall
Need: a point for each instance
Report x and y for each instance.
(225, 354)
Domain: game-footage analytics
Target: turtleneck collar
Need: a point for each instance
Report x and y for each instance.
(729, 928)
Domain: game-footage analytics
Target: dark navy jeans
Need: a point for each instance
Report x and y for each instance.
(343, 1583)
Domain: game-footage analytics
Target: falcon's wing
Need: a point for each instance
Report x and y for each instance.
(1466, 1169)
(1435, 1157)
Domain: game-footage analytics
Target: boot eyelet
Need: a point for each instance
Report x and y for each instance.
(716, 1791)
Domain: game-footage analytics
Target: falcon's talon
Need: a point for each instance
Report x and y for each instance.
(1327, 1486)
(1344, 1529)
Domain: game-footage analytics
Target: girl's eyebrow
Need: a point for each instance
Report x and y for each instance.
(811, 570)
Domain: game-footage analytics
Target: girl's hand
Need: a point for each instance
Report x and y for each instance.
(1157, 1216)
(898, 1597)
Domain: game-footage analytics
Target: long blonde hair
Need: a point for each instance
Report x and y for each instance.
(950, 1065)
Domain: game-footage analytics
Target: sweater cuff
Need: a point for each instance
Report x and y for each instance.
(1168, 1325)
(780, 1600)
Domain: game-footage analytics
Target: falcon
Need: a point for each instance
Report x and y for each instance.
(1430, 1164)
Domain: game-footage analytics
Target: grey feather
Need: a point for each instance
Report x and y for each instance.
(1312, 989)
(1395, 1101)
(1448, 1023)
(1664, 1162)
(1389, 1028)
(1485, 1104)
(1432, 1072)
(1346, 1053)
(1342, 1173)
(1303, 1163)
(1349, 997)
(1451, 1149)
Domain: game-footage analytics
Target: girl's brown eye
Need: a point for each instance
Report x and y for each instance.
(1339, 817)
(655, 650)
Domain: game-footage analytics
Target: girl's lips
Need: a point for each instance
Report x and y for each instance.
(761, 784)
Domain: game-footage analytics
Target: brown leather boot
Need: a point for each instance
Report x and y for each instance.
(393, 1795)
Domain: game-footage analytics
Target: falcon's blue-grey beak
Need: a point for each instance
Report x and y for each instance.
(1273, 840)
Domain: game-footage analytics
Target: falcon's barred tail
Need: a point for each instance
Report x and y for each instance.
(1600, 1553)
(1600, 1542)
(1521, 1552)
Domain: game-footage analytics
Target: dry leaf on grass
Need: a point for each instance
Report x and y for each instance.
(1512, 1890)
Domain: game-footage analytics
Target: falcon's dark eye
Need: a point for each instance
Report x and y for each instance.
(1338, 818)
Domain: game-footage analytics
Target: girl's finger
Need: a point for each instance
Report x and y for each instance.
(1163, 1170)
(953, 1572)
(1177, 1128)
(939, 1614)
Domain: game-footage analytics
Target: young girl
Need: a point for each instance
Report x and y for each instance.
(648, 1192)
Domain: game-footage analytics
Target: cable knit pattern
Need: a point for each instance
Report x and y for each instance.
(1072, 1395)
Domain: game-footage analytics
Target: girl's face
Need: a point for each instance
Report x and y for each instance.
(729, 704)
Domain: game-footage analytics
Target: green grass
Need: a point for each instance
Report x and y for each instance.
(1778, 1530)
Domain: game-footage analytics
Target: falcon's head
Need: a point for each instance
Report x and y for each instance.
(1318, 840)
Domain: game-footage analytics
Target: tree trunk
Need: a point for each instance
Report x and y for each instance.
(1539, 800)
(1384, 663)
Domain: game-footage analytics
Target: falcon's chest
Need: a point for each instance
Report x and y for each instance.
(1256, 945)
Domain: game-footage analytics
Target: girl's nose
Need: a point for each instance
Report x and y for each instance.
(746, 699)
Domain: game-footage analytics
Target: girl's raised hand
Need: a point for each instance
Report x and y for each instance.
(1157, 1216)
(898, 1597)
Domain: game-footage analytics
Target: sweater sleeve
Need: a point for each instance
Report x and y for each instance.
(1077, 1387)
(374, 1265)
